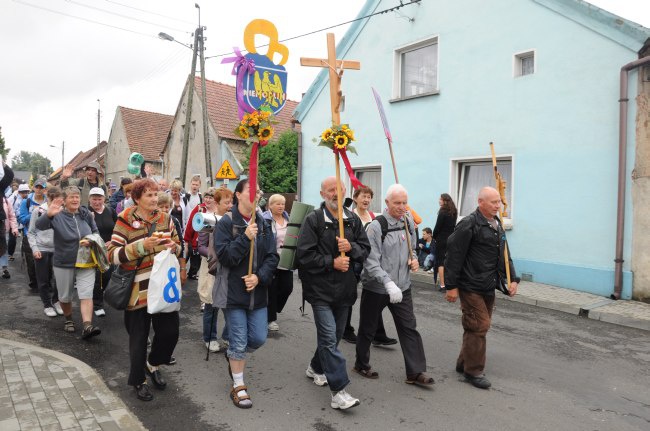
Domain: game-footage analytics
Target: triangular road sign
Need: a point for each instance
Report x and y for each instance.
(226, 172)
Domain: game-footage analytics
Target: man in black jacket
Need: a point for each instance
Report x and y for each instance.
(330, 286)
(6, 177)
(474, 268)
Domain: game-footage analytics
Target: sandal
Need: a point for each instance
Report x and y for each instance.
(68, 326)
(237, 400)
(368, 373)
(420, 379)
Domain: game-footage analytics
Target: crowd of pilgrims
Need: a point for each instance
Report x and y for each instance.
(57, 222)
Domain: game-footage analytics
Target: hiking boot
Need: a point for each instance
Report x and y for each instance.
(319, 379)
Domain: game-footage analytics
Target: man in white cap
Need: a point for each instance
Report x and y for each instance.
(105, 219)
(93, 179)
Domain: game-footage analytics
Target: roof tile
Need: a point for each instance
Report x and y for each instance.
(146, 132)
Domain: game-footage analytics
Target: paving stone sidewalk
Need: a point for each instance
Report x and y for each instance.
(41, 389)
(633, 314)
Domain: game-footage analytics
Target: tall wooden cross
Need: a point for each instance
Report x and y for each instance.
(336, 68)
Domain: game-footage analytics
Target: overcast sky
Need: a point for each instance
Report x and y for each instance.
(53, 67)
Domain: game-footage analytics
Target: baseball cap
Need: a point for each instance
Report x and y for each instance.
(40, 182)
(96, 191)
(24, 188)
(113, 186)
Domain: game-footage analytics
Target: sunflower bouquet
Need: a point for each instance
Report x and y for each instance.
(256, 126)
(338, 138)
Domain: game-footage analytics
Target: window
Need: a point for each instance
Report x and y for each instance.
(371, 177)
(524, 63)
(473, 175)
(416, 71)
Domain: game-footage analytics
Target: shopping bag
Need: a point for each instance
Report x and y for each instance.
(164, 291)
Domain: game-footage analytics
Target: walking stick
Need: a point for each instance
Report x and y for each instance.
(207, 355)
(501, 187)
(250, 258)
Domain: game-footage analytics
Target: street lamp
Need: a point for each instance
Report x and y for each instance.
(62, 153)
(165, 36)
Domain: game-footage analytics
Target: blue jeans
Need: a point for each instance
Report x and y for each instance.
(247, 330)
(207, 320)
(328, 360)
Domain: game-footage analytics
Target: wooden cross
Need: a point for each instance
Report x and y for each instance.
(336, 68)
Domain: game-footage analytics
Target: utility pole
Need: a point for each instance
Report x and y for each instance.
(98, 129)
(206, 132)
(188, 110)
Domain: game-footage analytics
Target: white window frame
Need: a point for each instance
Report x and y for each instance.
(377, 193)
(517, 62)
(455, 179)
(397, 67)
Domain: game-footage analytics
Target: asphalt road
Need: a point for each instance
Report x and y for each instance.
(550, 371)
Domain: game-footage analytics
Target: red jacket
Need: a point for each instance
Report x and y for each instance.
(191, 236)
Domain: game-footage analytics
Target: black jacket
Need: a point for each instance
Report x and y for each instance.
(475, 256)
(233, 250)
(118, 197)
(4, 183)
(315, 253)
(445, 224)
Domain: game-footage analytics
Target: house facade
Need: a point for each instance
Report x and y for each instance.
(225, 144)
(136, 131)
(540, 79)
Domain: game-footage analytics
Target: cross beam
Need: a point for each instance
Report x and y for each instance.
(336, 68)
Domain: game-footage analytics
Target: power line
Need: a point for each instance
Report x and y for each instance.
(150, 12)
(124, 16)
(395, 8)
(84, 19)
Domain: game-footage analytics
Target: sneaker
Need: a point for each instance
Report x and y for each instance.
(5, 274)
(430, 271)
(342, 400)
(172, 361)
(273, 326)
(480, 382)
(11, 258)
(58, 309)
(50, 312)
(319, 379)
(100, 312)
(202, 307)
(213, 346)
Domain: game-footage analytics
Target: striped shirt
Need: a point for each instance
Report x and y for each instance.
(126, 247)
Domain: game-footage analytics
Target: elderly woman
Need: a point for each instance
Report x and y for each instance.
(282, 284)
(71, 223)
(243, 296)
(217, 202)
(105, 219)
(132, 240)
(178, 208)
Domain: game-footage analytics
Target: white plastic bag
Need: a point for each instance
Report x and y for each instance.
(164, 292)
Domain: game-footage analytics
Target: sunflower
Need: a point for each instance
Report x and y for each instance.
(243, 132)
(349, 133)
(326, 135)
(265, 133)
(341, 141)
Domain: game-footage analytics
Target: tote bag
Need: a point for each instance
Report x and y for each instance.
(164, 291)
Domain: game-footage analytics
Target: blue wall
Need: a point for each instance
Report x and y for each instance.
(560, 125)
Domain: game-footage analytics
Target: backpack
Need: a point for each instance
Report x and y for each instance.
(384, 226)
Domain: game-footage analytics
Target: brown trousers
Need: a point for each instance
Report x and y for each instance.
(477, 316)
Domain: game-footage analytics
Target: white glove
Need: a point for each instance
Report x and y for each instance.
(394, 292)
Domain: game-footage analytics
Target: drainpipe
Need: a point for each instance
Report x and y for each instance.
(622, 167)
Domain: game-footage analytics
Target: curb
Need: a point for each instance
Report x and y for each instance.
(622, 312)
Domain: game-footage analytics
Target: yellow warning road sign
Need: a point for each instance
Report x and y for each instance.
(226, 172)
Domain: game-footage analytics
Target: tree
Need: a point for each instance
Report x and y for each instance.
(278, 164)
(4, 151)
(36, 163)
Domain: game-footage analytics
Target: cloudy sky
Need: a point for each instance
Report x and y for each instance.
(54, 67)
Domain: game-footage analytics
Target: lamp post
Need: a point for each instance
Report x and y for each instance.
(62, 153)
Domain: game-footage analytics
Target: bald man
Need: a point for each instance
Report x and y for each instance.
(330, 286)
(474, 269)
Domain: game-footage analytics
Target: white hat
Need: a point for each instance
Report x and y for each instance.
(96, 191)
(24, 188)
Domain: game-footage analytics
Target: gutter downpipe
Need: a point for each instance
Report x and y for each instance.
(622, 168)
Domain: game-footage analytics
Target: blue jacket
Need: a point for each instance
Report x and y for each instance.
(25, 213)
(233, 250)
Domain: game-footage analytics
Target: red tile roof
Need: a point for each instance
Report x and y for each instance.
(222, 109)
(146, 132)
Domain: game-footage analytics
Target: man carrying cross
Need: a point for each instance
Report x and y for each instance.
(330, 286)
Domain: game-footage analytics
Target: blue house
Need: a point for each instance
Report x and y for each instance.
(540, 79)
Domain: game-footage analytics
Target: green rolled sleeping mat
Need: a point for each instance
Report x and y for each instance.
(299, 211)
